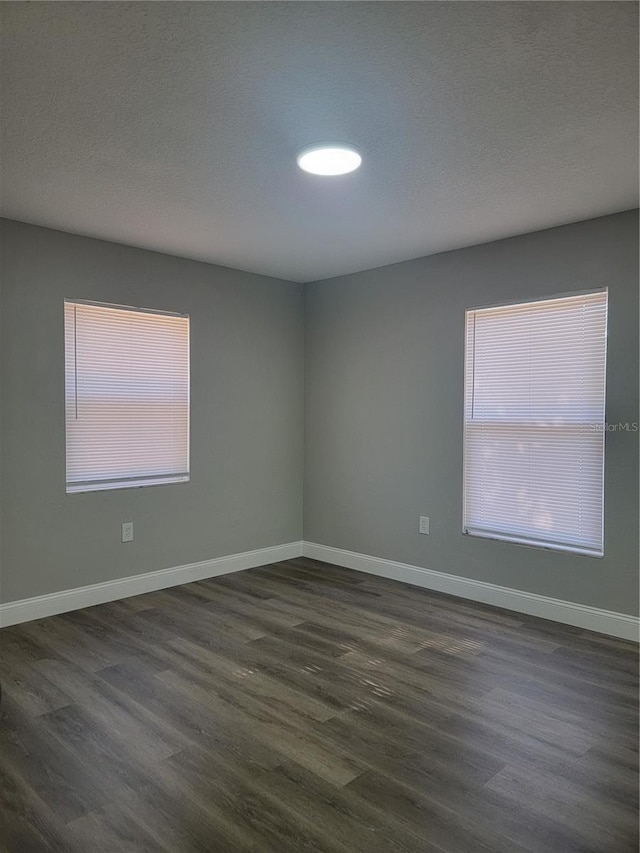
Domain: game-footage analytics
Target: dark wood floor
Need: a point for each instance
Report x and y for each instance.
(303, 707)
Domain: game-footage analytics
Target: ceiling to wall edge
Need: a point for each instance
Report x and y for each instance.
(329, 278)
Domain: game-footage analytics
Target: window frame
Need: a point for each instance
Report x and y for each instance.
(501, 536)
(104, 484)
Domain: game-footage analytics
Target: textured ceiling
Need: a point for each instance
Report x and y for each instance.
(174, 126)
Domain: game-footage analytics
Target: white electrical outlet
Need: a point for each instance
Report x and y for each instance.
(127, 531)
(424, 524)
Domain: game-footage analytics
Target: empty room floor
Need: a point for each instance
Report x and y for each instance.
(305, 707)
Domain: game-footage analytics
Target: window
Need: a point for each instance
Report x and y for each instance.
(534, 422)
(126, 397)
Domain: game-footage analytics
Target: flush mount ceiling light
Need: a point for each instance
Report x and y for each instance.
(329, 159)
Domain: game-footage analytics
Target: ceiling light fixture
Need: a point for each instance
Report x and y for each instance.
(329, 159)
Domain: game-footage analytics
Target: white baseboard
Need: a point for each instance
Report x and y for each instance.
(591, 618)
(580, 615)
(28, 609)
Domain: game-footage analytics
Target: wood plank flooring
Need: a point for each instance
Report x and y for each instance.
(305, 707)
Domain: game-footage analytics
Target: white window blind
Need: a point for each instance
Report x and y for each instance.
(126, 396)
(534, 422)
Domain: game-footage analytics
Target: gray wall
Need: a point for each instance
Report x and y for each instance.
(384, 403)
(383, 355)
(246, 415)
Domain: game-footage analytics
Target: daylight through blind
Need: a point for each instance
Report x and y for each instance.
(127, 397)
(535, 422)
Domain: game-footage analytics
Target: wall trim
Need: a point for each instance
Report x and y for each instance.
(40, 606)
(580, 615)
